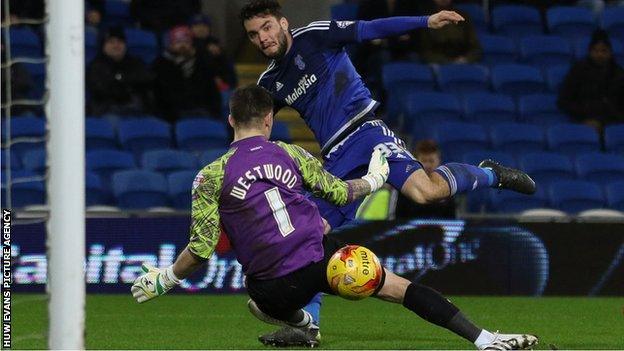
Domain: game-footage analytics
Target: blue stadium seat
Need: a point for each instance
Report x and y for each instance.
(555, 76)
(581, 49)
(344, 11)
(281, 132)
(16, 162)
(142, 134)
(572, 138)
(498, 49)
(475, 157)
(476, 15)
(545, 50)
(399, 79)
(461, 79)
(612, 20)
(512, 202)
(488, 108)
(24, 43)
(517, 80)
(91, 45)
(516, 20)
(27, 133)
(540, 109)
(96, 193)
(570, 21)
(201, 134)
(37, 74)
(180, 184)
(107, 162)
(35, 161)
(137, 189)
(615, 195)
(547, 167)
(167, 161)
(455, 138)
(142, 44)
(26, 189)
(99, 134)
(208, 156)
(573, 196)
(517, 138)
(600, 168)
(614, 138)
(117, 13)
(427, 108)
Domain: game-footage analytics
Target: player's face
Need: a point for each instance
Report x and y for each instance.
(269, 35)
(430, 161)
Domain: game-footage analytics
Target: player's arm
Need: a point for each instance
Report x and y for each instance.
(338, 33)
(204, 235)
(331, 188)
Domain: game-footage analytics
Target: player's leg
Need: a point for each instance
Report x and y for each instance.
(456, 178)
(434, 308)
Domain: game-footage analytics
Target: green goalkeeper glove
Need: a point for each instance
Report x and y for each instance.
(153, 283)
(378, 170)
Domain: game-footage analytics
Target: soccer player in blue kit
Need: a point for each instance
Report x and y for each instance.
(310, 71)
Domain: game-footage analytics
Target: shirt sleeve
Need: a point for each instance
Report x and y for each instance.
(205, 220)
(330, 33)
(316, 179)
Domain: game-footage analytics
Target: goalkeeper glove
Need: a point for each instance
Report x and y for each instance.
(153, 283)
(378, 170)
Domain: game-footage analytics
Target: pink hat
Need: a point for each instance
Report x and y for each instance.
(180, 34)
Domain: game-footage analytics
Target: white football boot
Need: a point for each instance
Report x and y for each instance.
(511, 342)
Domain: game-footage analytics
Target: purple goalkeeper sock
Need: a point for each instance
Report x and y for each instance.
(314, 308)
(463, 177)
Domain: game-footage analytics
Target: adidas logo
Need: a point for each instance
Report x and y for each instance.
(279, 86)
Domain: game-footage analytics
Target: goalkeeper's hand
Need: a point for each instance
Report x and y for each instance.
(153, 283)
(378, 170)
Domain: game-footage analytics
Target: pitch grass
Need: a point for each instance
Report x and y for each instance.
(223, 322)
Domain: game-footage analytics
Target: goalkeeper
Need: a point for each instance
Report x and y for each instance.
(255, 193)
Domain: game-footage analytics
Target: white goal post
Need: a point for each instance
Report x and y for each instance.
(66, 182)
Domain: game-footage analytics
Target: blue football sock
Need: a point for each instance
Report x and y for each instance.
(464, 177)
(314, 308)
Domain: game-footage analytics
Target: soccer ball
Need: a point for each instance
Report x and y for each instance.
(354, 272)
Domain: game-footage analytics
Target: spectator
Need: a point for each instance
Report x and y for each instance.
(452, 44)
(429, 155)
(94, 13)
(185, 84)
(208, 45)
(593, 90)
(160, 15)
(117, 82)
(25, 9)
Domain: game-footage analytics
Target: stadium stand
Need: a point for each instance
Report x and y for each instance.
(96, 193)
(512, 202)
(555, 76)
(600, 168)
(615, 195)
(27, 133)
(35, 161)
(200, 134)
(516, 79)
(139, 189)
(498, 49)
(574, 196)
(614, 138)
(570, 21)
(455, 138)
(547, 167)
(180, 189)
(517, 138)
(106, 162)
(344, 11)
(612, 20)
(545, 50)
(488, 108)
(462, 79)
(27, 189)
(168, 161)
(117, 13)
(540, 109)
(99, 134)
(142, 43)
(25, 43)
(142, 134)
(516, 20)
(572, 138)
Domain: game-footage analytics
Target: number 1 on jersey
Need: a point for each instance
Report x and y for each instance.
(278, 207)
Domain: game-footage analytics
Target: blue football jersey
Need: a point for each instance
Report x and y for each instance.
(316, 78)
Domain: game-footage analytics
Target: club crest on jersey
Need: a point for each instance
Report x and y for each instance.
(299, 62)
(344, 24)
(302, 88)
(278, 86)
(199, 178)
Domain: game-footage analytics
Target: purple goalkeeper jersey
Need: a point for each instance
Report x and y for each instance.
(273, 228)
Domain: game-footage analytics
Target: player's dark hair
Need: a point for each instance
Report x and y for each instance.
(260, 8)
(426, 146)
(250, 104)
